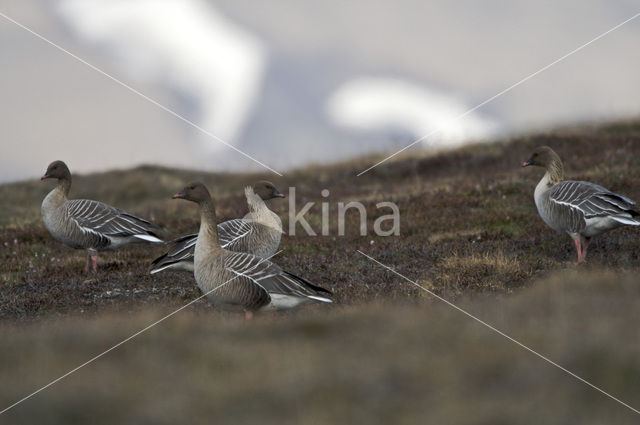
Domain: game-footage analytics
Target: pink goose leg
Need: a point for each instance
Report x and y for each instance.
(92, 261)
(578, 244)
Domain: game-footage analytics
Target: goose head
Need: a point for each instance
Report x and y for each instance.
(57, 170)
(543, 156)
(266, 190)
(194, 192)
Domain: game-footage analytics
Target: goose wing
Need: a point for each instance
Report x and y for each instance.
(271, 278)
(103, 219)
(182, 246)
(591, 200)
(232, 232)
(231, 235)
(181, 251)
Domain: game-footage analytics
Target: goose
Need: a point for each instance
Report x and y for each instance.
(239, 280)
(580, 209)
(86, 224)
(258, 233)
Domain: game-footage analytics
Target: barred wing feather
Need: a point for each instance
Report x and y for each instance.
(182, 251)
(179, 256)
(232, 231)
(271, 277)
(591, 199)
(183, 247)
(96, 217)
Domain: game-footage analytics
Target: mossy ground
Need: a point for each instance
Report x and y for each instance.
(386, 352)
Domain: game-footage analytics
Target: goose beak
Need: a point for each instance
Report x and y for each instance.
(279, 195)
(179, 195)
(44, 177)
(527, 163)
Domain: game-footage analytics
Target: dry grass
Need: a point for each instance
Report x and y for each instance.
(375, 364)
(386, 352)
(487, 272)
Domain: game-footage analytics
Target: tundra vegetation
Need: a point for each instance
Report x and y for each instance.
(387, 351)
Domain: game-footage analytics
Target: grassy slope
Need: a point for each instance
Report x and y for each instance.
(469, 232)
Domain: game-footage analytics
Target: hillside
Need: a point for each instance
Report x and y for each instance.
(387, 351)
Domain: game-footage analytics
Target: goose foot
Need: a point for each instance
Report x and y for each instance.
(92, 264)
(582, 244)
(248, 315)
(581, 258)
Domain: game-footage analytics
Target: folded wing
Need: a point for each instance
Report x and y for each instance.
(272, 279)
(99, 218)
(179, 256)
(231, 232)
(592, 200)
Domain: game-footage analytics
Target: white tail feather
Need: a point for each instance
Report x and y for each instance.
(149, 238)
(180, 265)
(626, 220)
(321, 299)
(154, 271)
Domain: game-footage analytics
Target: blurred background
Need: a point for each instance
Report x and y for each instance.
(292, 83)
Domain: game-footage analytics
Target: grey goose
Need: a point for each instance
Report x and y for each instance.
(578, 208)
(258, 233)
(86, 224)
(239, 280)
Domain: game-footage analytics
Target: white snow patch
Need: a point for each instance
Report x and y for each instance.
(184, 45)
(370, 103)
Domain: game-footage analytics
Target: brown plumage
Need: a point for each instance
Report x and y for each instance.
(580, 209)
(258, 233)
(86, 224)
(241, 280)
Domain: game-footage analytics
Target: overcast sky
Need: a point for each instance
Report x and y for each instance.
(292, 82)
